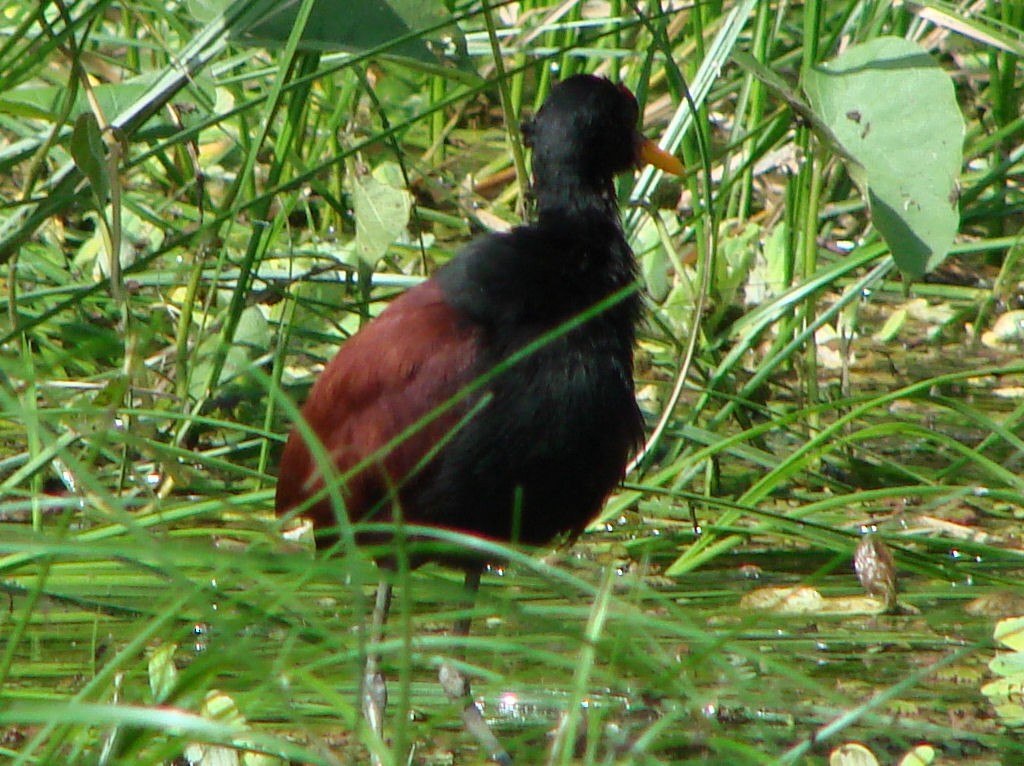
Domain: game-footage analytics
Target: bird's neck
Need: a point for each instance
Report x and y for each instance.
(572, 201)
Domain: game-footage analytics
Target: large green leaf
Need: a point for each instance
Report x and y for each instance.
(422, 30)
(893, 110)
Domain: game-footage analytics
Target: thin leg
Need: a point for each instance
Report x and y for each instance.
(375, 690)
(456, 685)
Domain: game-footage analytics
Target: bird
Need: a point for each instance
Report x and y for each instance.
(496, 398)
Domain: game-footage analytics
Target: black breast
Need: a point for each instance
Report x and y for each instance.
(557, 420)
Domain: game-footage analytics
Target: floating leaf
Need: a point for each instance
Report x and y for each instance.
(893, 109)
(1009, 664)
(996, 603)
(1010, 633)
(922, 755)
(852, 754)
(799, 600)
(806, 600)
(1007, 330)
(1006, 696)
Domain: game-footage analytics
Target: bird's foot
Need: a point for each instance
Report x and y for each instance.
(456, 688)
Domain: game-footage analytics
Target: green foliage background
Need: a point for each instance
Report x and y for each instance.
(201, 201)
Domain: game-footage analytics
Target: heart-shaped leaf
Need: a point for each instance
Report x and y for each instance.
(893, 110)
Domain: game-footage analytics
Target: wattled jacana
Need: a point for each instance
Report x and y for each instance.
(539, 324)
